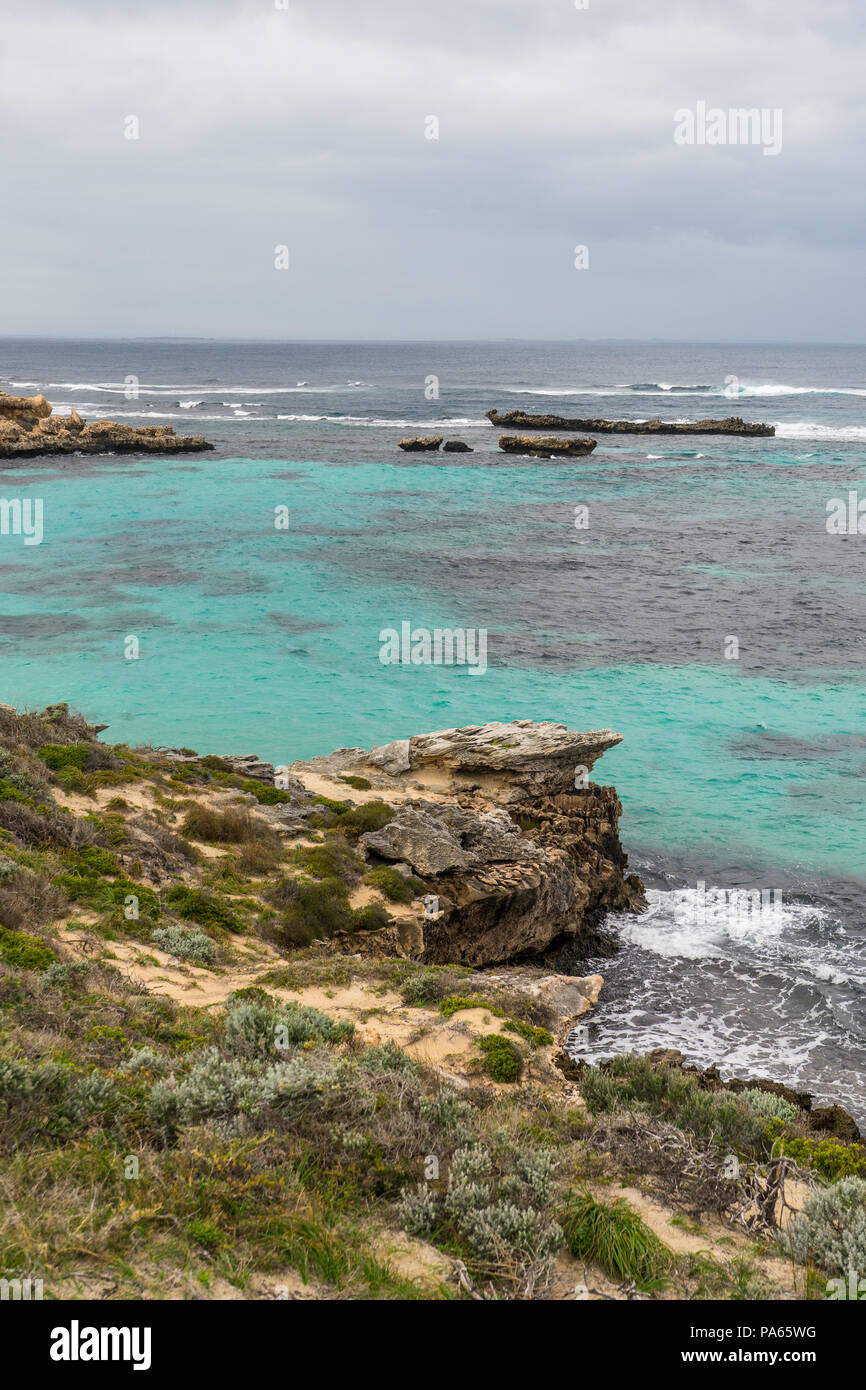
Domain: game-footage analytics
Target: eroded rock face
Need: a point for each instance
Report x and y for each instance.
(520, 859)
(733, 424)
(544, 446)
(28, 429)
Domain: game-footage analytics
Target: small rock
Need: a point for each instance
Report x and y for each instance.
(421, 443)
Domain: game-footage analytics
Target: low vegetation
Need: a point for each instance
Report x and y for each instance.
(153, 1149)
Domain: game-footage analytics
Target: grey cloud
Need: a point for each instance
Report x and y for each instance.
(306, 127)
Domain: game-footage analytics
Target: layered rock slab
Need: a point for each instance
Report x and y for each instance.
(517, 857)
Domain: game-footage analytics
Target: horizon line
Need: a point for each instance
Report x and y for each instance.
(216, 339)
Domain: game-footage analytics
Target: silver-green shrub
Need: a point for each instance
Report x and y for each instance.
(187, 943)
(769, 1106)
(831, 1228)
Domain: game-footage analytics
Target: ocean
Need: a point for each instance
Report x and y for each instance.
(704, 611)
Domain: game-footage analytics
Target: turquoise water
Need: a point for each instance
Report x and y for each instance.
(257, 639)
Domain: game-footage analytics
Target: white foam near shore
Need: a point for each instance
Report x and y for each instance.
(705, 922)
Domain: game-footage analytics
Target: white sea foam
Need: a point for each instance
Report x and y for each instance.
(693, 924)
(120, 388)
(808, 429)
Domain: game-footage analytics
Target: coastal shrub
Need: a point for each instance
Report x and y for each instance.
(419, 1211)
(254, 1029)
(337, 808)
(536, 1037)
(613, 1236)
(335, 859)
(201, 907)
(502, 1061)
(388, 1057)
(499, 1220)
(212, 763)
(370, 918)
(630, 1082)
(302, 1024)
(25, 952)
(249, 994)
(312, 909)
(830, 1231)
(20, 778)
(214, 1088)
(830, 1158)
(265, 792)
(29, 899)
(225, 1089)
(61, 975)
(449, 1114)
(394, 886)
(769, 1106)
(424, 987)
(32, 730)
(361, 819)
(259, 857)
(173, 844)
(235, 825)
(361, 784)
(187, 943)
(143, 1059)
(60, 756)
(351, 821)
(249, 1029)
(90, 1099)
(44, 826)
(502, 1230)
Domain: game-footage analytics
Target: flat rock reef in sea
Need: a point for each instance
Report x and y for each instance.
(733, 424)
(28, 429)
(545, 446)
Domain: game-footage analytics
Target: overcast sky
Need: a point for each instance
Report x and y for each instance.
(305, 127)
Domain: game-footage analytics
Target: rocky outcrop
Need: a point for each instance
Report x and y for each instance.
(544, 446)
(733, 424)
(520, 854)
(421, 443)
(28, 429)
(456, 446)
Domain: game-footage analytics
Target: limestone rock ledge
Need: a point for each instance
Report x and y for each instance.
(545, 446)
(518, 859)
(732, 424)
(28, 429)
